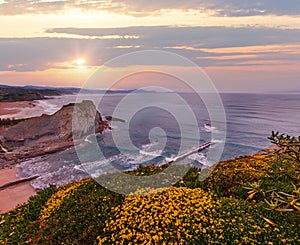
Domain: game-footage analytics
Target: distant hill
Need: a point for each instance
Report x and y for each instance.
(99, 91)
(11, 94)
(29, 92)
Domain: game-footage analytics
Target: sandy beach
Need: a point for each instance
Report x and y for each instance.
(12, 108)
(23, 109)
(12, 196)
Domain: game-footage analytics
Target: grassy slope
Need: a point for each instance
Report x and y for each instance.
(192, 212)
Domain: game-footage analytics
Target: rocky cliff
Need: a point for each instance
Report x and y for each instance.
(49, 133)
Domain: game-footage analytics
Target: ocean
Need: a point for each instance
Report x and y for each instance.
(157, 133)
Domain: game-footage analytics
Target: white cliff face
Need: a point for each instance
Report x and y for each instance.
(86, 120)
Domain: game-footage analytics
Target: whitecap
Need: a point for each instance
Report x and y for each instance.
(200, 158)
(151, 153)
(48, 107)
(87, 140)
(209, 128)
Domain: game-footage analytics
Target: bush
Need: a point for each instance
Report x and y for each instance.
(287, 145)
(228, 177)
(80, 217)
(16, 226)
(193, 216)
(247, 200)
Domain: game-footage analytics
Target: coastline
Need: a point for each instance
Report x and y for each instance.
(236, 212)
(14, 195)
(17, 194)
(16, 109)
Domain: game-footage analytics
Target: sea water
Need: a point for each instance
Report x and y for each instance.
(154, 134)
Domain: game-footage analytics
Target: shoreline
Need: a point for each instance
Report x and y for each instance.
(13, 109)
(19, 193)
(14, 195)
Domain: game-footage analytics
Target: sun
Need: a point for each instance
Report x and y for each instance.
(79, 62)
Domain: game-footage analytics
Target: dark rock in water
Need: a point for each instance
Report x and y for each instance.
(207, 125)
(50, 133)
(110, 118)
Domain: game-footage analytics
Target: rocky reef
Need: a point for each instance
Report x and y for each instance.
(49, 133)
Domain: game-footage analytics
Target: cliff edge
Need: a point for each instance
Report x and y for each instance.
(49, 133)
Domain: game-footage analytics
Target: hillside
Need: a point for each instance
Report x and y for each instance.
(237, 204)
(12, 94)
(30, 93)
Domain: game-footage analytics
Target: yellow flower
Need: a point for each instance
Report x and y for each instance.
(57, 198)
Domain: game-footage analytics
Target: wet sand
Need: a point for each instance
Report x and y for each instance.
(21, 110)
(14, 195)
(12, 108)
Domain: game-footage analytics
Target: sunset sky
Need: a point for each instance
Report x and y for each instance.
(243, 45)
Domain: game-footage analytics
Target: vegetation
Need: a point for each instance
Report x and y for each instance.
(247, 200)
(12, 94)
(287, 145)
(9, 121)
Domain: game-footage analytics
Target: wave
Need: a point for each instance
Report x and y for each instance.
(87, 140)
(151, 153)
(216, 142)
(209, 128)
(48, 107)
(61, 170)
(200, 158)
(150, 150)
(61, 176)
(48, 173)
(169, 159)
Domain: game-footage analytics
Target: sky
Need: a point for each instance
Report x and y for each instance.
(242, 45)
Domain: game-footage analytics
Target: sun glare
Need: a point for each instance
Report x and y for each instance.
(79, 62)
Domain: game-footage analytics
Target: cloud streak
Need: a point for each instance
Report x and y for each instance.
(206, 46)
(143, 7)
(210, 37)
(220, 7)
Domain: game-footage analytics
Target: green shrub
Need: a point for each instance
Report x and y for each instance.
(80, 217)
(16, 226)
(287, 145)
(247, 200)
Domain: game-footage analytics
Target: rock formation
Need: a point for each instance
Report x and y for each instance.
(50, 133)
